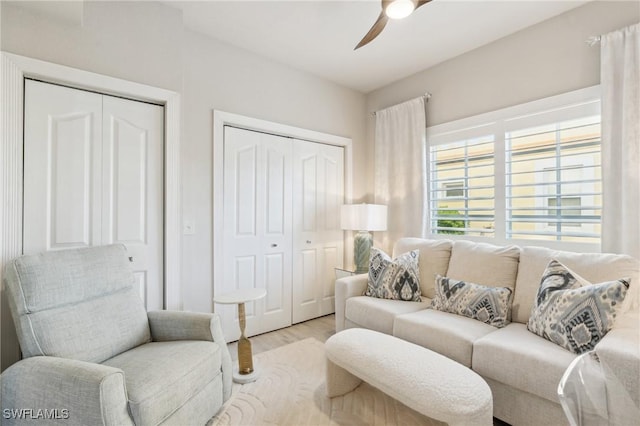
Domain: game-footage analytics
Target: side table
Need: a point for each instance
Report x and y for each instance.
(245, 372)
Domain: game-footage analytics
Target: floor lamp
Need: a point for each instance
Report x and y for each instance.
(363, 218)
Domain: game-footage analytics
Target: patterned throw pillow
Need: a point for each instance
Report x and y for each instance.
(573, 313)
(490, 305)
(397, 279)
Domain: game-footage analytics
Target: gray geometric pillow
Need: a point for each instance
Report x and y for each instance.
(573, 313)
(397, 279)
(490, 305)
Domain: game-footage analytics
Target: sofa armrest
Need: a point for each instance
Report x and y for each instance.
(180, 325)
(47, 388)
(619, 354)
(347, 287)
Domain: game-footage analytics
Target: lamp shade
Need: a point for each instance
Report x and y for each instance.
(363, 217)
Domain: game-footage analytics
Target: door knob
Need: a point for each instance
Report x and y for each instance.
(130, 258)
(308, 241)
(274, 245)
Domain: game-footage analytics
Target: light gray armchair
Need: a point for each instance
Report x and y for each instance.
(94, 356)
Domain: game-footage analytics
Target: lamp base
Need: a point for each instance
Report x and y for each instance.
(362, 243)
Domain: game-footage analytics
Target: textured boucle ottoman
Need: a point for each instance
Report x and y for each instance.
(428, 382)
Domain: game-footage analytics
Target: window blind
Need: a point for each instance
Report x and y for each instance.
(554, 181)
(462, 190)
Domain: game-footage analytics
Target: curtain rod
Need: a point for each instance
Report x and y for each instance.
(593, 40)
(426, 96)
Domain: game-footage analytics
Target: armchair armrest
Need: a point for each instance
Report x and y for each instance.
(619, 354)
(345, 288)
(180, 325)
(47, 388)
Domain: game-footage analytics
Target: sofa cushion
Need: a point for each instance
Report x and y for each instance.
(518, 358)
(162, 376)
(484, 264)
(434, 260)
(594, 267)
(490, 305)
(448, 334)
(573, 313)
(379, 314)
(396, 279)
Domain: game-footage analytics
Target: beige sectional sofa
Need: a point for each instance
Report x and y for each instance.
(522, 369)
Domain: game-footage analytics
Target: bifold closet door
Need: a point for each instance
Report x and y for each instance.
(257, 236)
(93, 171)
(318, 247)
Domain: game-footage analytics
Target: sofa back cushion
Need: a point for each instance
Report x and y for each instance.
(434, 260)
(594, 267)
(78, 304)
(484, 264)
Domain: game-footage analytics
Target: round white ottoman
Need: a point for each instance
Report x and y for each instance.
(426, 381)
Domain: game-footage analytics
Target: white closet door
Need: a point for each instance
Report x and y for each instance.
(132, 153)
(93, 175)
(318, 192)
(257, 229)
(62, 167)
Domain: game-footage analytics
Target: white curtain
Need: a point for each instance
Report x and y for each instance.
(620, 84)
(400, 171)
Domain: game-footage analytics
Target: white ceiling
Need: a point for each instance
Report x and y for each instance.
(318, 36)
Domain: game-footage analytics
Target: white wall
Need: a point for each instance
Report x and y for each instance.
(136, 41)
(540, 61)
(146, 42)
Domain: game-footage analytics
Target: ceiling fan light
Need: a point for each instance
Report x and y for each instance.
(399, 9)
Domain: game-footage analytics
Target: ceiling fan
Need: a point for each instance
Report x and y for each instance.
(391, 9)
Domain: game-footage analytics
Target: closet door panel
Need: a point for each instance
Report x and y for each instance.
(245, 191)
(333, 242)
(132, 204)
(274, 279)
(308, 197)
(318, 192)
(331, 260)
(257, 224)
(61, 167)
(128, 184)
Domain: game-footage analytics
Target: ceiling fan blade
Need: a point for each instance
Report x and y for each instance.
(421, 2)
(375, 30)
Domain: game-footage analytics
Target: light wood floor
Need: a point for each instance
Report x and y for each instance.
(320, 328)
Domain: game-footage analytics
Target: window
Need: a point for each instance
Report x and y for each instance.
(554, 181)
(462, 187)
(529, 172)
(453, 189)
(569, 209)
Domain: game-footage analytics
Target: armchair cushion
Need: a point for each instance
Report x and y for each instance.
(163, 376)
(178, 325)
(78, 304)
